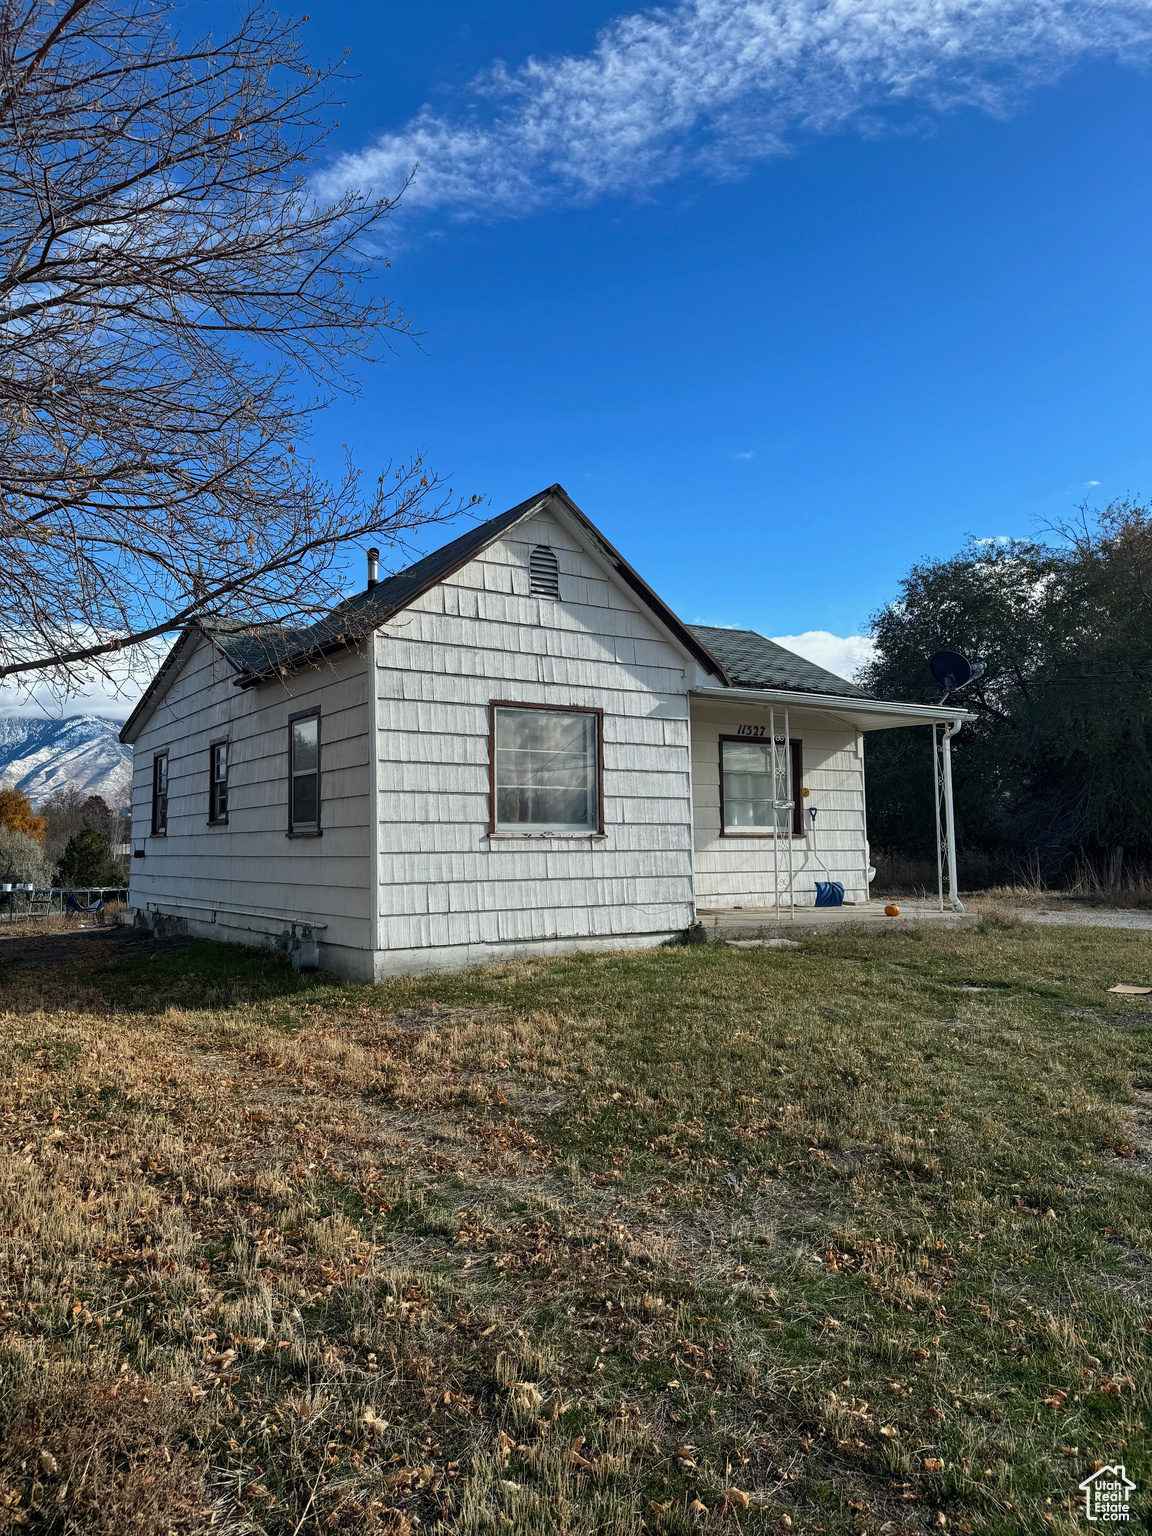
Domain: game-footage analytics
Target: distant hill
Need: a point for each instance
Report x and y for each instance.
(38, 757)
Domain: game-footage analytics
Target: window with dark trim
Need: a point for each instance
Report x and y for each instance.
(218, 783)
(750, 806)
(546, 769)
(160, 795)
(304, 773)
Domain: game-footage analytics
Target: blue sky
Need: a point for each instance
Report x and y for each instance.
(787, 295)
(773, 379)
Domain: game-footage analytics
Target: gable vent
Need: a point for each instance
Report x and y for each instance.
(543, 573)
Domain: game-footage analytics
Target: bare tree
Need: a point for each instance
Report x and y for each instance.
(174, 307)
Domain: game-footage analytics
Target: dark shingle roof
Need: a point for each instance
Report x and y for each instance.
(256, 651)
(259, 652)
(255, 648)
(752, 661)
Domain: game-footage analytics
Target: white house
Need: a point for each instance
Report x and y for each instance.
(511, 748)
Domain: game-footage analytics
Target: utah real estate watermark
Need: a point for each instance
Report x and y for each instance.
(1107, 1494)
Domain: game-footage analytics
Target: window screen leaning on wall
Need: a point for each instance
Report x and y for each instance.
(546, 770)
(750, 806)
(304, 773)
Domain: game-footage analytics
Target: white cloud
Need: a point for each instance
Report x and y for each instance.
(98, 698)
(745, 455)
(842, 654)
(112, 697)
(714, 85)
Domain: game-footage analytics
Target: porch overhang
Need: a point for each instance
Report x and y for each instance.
(862, 714)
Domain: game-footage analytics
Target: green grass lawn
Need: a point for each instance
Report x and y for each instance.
(849, 1238)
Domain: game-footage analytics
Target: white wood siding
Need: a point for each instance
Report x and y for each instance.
(250, 876)
(448, 891)
(740, 872)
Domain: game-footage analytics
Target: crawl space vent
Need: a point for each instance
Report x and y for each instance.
(543, 575)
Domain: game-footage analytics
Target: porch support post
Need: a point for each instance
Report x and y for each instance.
(950, 730)
(691, 815)
(775, 828)
(937, 796)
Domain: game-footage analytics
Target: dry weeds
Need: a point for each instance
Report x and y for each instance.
(677, 1241)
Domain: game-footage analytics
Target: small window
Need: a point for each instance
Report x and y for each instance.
(304, 773)
(160, 795)
(751, 804)
(218, 786)
(543, 573)
(546, 770)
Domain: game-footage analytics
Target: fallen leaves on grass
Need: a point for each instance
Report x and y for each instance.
(564, 1251)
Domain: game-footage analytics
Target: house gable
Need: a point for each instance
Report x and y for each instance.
(245, 872)
(258, 653)
(451, 883)
(273, 651)
(167, 673)
(487, 606)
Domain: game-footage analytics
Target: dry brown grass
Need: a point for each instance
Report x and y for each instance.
(657, 1242)
(192, 1195)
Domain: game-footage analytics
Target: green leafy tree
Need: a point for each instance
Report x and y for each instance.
(68, 812)
(1056, 768)
(87, 861)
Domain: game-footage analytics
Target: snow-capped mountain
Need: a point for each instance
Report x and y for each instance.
(39, 757)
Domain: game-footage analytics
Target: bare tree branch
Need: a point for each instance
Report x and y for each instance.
(174, 308)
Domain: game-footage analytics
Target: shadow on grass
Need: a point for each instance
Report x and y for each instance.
(199, 974)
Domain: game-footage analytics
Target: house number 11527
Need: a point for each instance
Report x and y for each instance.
(749, 730)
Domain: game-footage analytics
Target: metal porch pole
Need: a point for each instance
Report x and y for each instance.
(793, 791)
(950, 730)
(775, 837)
(937, 791)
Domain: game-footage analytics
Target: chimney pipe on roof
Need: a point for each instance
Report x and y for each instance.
(373, 568)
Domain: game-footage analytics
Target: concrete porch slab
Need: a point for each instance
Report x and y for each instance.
(723, 924)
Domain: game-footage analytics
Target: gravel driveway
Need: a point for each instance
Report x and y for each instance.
(1082, 918)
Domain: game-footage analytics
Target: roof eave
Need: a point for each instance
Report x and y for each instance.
(507, 521)
(144, 703)
(695, 648)
(212, 634)
(514, 516)
(305, 659)
(914, 713)
(148, 697)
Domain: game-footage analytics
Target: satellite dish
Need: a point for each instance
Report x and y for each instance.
(952, 671)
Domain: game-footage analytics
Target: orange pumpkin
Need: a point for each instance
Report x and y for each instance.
(891, 910)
